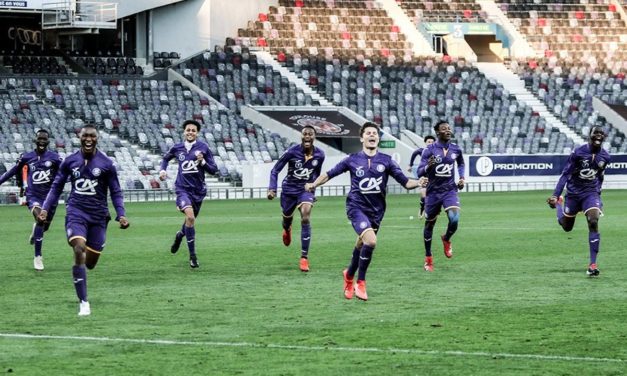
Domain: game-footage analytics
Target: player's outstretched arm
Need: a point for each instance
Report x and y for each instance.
(415, 183)
(318, 182)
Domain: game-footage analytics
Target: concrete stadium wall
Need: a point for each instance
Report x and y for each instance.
(191, 26)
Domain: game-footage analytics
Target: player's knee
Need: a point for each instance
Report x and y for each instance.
(453, 216)
(593, 224)
(190, 221)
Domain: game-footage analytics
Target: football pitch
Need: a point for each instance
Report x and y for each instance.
(514, 299)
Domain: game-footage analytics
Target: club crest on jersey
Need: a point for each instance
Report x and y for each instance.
(314, 162)
(380, 168)
(359, 172)
(48, 164)
(453, 156)
(96, 171)
(181, 157)
(76, 173)
(197, 152)
(602, 165)
(31, 166)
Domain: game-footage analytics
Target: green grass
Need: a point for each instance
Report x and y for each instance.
(513, 300)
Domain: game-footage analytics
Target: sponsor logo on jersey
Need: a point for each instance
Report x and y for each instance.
(85, 187)
(370, 185)
(41, 177)
(189, 167)
(444, 170)
(303, 173)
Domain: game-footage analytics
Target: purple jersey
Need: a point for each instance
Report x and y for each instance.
(42, 170)
(299, 171)
(90, 181)
(583, 172)
(441, 175)
(191, 174)
(417, 153)
(369, 179)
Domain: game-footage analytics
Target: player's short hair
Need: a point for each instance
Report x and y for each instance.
(436, 127)
(308, 127)
(193, 122)
(42, 131)
(368, 124)
(596, 127)
(428, 137)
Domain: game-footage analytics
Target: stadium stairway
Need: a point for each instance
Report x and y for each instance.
(420, 45)
(514, 85)
(267, 59)
(519, 46)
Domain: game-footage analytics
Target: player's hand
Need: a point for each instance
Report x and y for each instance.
(431, 161)
(271, 194)
(162, 175)
(124, 223)
(552, 201)
(309, 187)
(200, 158)
(423, 181)
(460, 184)
(42, 217)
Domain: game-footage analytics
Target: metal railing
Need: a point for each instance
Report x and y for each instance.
(9, 196)
(78, 14)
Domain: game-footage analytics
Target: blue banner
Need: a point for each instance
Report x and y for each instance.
(532, 165)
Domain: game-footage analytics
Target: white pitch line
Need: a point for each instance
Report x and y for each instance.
(315, 348)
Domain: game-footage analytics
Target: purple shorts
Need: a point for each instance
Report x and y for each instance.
(80, 225)
(363, 220)
(289, 203)
(435, 202)
(37, 202)
(574, 204)
(185, 200)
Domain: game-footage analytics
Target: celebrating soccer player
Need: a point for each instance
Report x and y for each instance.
(42, 165)
(437, 163)
(414, 170)
(304, 163)
(194, 159)
(91, 175)
(583, 177)
(365, 204)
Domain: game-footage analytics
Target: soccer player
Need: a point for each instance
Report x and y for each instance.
(194, 159)
(583, 177)
(365, 204)
(91, 175)
(413, 169)
(438, 164)
(42, 165)
(304, 163)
